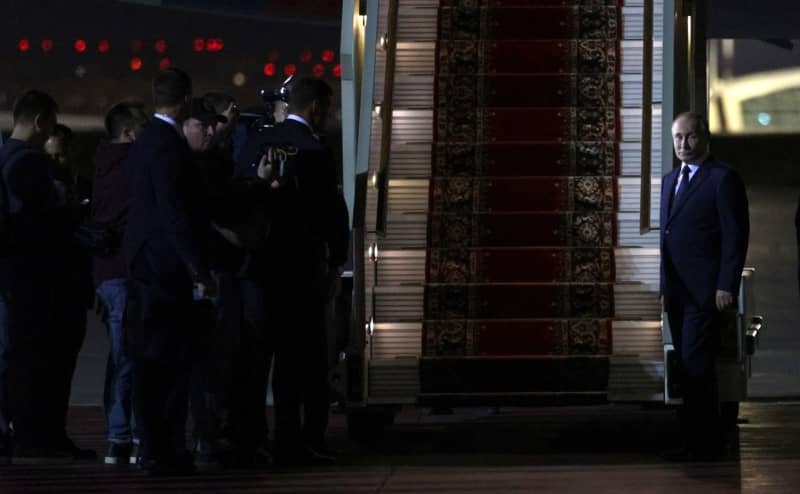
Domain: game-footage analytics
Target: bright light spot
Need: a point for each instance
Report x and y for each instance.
(239, 79)
(328, 56)
(165, 63)
(160, 46)
(24, 45)
(764, 118)
(214, 45)
(199, 45)
(136, 64)
(80, 45)
(290, 69)
(103, 46)
(47, 45)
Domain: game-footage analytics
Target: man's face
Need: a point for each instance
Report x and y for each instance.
(224, 129)
(690, 144)
(198, 134)
(56, 148)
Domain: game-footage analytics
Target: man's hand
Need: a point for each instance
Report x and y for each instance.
(264, 170)
(265, 166)
(724, 300)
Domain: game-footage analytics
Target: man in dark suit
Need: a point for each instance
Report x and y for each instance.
(27, 264)
(166, 266)
(298, 268)
(704, 236)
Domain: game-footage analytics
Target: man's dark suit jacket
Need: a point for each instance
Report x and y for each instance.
(704, 237)
(160, 246)
(310, 218)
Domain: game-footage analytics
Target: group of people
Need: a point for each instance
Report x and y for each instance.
(211, 267)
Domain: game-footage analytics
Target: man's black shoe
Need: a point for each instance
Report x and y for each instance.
(136, 454)
(205, 455)
(118, 454)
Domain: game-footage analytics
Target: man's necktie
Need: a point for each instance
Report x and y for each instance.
(682, 186)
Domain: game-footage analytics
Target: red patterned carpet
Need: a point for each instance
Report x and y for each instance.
(520, 265)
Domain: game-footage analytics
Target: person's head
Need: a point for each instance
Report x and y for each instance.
(34, 117)
(57, 146)
(125, 121)
(280, 110)
(311, 99)
(226, 106)
(691, 137)
(200, 125)
(172, 93)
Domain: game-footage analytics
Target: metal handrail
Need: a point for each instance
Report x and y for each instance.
(386, 107)
(647, 119)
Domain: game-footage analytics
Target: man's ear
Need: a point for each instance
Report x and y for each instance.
(129, 134)
(37, 122)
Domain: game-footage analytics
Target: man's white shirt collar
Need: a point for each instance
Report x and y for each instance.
(168, 119)
(298, 118)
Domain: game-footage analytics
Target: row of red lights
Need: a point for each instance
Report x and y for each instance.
(318, 70)
(270, 69)
(211, 45)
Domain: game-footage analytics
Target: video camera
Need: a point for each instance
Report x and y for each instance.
(276, 101)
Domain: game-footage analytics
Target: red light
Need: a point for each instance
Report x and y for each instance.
(165, 63)
(24, 45)
(269, 69)
(328, 56)
(47, 45)
(161, 46)
(199, 45)
(306, 56)
(80, 45)
(136, 63)
(136, 45)
(214, 45)
(103, 46)
(337, 71)
(273, 56)
(318, 70)
(290, 69)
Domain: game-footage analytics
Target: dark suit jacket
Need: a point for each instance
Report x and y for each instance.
(160, 245)
(30, 199)
(704, 238)
(310, 218)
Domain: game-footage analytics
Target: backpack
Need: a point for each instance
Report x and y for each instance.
(5, 239)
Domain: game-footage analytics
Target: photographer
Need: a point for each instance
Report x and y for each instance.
(298, 266)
